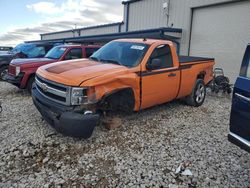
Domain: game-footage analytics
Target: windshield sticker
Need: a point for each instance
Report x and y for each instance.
(135, 47)
(161, 46)
(62, 49)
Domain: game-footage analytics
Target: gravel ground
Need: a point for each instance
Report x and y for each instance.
(145, 151)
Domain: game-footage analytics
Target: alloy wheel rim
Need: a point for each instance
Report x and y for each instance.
(200, 93)
(4, 72)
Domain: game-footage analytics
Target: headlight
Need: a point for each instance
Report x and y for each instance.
(78, 96)
(17, 70)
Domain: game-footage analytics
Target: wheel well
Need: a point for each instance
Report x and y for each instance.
(30, 76)
(201, 75)
(120, 100)
(3, 65)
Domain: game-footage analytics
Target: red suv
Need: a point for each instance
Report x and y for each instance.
(21, 72)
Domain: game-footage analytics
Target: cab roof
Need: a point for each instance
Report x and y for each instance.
(143, 41)
(78, 45)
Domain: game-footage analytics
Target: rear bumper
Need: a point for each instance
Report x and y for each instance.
(15, 80)
(239, 141)
(63, 118)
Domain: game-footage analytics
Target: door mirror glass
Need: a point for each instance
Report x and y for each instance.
(154, 64)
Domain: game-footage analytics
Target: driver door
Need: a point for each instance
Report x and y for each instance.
(161, 84)
(240, 113)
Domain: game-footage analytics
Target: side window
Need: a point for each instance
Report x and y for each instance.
(163, 53)
(248, 69)
(90, 51)
(74, 53)
(245, 67)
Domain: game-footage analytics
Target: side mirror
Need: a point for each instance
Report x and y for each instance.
(154, 64)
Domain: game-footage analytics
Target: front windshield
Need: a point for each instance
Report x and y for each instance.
(128, 54)
(29, 50)
(55, 53)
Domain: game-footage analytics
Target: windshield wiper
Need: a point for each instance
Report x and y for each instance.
(94, 58)
(51, 57)
(111, 61)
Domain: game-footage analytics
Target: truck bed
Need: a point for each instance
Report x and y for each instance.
(189, 59)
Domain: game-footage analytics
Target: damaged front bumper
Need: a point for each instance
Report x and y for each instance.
(15, 80)
(64, 118)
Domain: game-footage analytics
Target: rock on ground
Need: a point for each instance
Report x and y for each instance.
(144, 151)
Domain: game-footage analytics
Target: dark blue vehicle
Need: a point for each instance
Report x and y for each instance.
(240, 114)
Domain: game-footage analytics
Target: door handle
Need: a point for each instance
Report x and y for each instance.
(172, 75)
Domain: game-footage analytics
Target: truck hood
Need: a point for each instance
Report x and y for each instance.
(4, 57)
(22, 61)
(75, 72)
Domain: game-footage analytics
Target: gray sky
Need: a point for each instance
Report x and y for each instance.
(25, 20)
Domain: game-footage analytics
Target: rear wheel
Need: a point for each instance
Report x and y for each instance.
(3, 71)
(30, 83)
(198, 94)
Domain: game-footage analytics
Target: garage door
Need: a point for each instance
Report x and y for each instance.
(222, 31)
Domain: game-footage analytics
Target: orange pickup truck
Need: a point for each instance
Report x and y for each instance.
(124, 75)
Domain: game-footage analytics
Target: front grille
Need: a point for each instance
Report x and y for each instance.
(53, 91)
(51, 95)
(56, 86)
(12, 70)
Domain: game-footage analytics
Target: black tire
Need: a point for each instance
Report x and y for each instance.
(217, 90)
(3, 71)
(212, 86)
(198, 95)
(229, 90)
(30, 83)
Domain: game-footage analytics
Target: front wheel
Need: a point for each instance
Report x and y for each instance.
(30, 83)
(3, 71)
(198, 95)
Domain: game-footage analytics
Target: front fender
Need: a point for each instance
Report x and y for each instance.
(4, 62)
(27, 74)
(109, 86)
